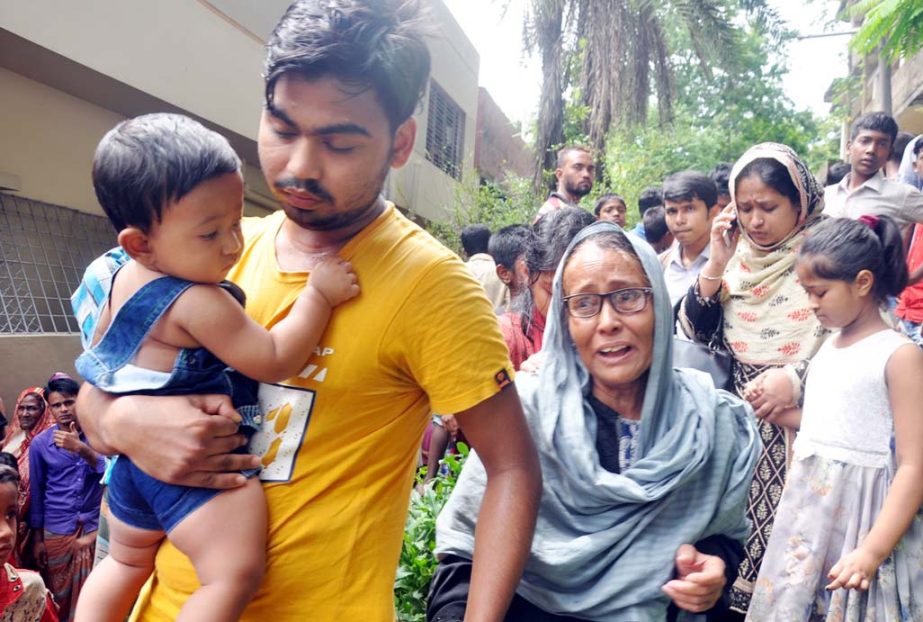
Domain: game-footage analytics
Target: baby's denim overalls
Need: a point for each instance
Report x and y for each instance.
(135, 497)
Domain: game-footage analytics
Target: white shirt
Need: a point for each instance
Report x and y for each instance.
(877, 196)
(482, 266)
(680, 278)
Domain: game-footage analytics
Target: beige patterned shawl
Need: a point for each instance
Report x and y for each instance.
(767, 320)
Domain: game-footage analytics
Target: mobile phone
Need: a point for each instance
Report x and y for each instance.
(729, 232)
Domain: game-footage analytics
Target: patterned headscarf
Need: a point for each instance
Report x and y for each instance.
(767, 319)
(21, 440)
(45, 421)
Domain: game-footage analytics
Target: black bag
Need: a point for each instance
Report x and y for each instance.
(702, 357)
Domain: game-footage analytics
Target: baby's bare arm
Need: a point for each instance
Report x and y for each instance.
(220, 325)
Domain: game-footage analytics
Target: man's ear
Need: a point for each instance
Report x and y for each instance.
(402, 146)
(137, 244)
(506, 276)
(558, 173)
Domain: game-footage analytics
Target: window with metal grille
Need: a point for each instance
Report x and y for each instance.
(445, 131)
(44, 250)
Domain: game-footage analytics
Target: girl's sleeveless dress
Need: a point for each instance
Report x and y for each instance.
(843, 467)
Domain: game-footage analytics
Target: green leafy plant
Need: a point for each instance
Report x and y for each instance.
(418, 562)
(894, 25)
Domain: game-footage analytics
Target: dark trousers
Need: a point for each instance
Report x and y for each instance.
(448, 595)
(448, 591)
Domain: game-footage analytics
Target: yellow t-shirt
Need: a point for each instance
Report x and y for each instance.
(340, 442)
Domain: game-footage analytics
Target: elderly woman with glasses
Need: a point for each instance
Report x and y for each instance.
(645, 467)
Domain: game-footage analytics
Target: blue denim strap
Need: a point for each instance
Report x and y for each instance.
(134, 320)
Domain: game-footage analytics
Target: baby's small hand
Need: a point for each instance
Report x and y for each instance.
(335, 280)
(854, 571)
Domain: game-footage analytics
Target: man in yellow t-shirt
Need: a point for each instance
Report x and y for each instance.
(340, 440)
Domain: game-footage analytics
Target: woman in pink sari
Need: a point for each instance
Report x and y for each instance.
(30, 418)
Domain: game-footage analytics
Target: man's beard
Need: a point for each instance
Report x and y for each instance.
(337, 219)
(576, 191)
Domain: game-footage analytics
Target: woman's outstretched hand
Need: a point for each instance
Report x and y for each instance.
(699, 580)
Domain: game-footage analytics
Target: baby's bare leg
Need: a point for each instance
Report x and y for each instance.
(226, 541)
(112, 587)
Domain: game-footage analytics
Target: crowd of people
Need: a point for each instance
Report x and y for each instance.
(50, 533)
(606, 482)
(733, 275)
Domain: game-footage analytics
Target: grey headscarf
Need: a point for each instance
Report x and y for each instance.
(605, 543)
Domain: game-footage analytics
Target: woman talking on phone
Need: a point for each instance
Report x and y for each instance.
(748, 294)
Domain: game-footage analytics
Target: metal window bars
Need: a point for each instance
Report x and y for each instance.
(44, 250)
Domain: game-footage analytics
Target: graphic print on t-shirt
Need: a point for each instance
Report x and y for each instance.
(287, 412)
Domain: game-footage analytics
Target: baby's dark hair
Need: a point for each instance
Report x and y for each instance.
(143, 164)
(840, 248)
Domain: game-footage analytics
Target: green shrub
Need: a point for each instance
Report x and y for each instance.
(418, 563)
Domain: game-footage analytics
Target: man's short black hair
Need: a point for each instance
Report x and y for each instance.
(837, 171)
(918, 146)
(563, 152)
(721, 175)
(64, 386)
(144, 164)
(655, 224)
(875, 122)
(508, 244)
(652, 196)
(365, 44)
(690, 185)
(475, 238)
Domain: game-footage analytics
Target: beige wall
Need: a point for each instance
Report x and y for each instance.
(29, 360)
(180, 51)
(48, 141)
(198, 57)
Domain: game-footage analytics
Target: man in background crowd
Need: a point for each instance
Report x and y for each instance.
(475, 240)
(66, 493)
(575, 173)
(652, 196)
(690, 201)
(508, 249)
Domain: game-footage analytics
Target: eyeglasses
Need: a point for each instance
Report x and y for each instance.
(626, 301)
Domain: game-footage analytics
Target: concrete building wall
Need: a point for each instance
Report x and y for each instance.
(499, 149)
(49, 138)
(180, 51)
(420, 186)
